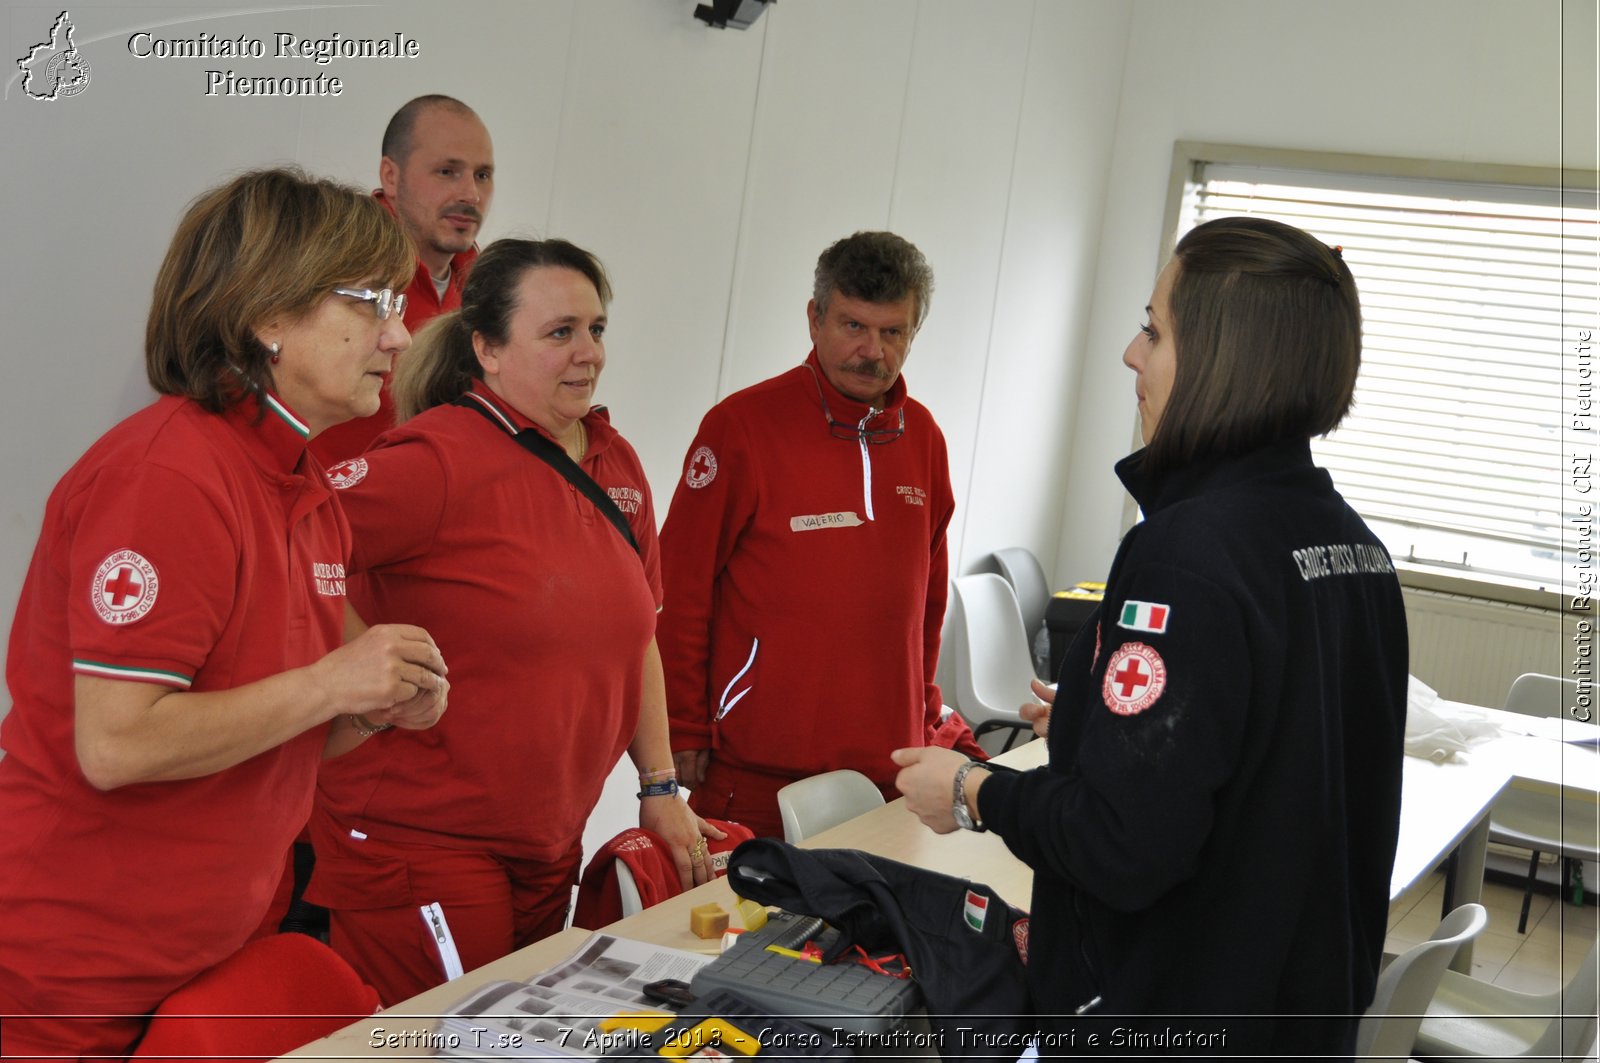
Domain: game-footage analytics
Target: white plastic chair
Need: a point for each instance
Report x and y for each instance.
(1472, 1019)
(1022, 570)
(629, 889)
(993, 665)
(944, 672)
(812, 805)
(1389, 1027)
(1542, 822)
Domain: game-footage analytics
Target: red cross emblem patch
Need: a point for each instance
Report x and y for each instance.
(702, 468)
(1135, 678)
(347, 473)
(124, 588)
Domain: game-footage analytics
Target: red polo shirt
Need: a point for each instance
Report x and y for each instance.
(197, 551)
(541, 610)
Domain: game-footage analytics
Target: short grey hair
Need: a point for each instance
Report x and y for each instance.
(878, 267)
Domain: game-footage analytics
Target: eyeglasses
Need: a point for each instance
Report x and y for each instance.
(844, 430)
(385, 302)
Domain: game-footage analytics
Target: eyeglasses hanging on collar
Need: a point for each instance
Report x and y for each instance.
(845, 430)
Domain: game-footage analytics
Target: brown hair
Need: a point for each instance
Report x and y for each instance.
(268, 244)
(1266, 323)
(441, 364)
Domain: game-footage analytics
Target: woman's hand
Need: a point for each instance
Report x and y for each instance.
(1035, 713)
(390, 673)
(419, 712)
(674, 822)
(128, 732)
(927, 779)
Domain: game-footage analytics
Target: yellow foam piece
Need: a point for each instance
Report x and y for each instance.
(708, 921)
(711, 1037)
(751, 914)
(645, 1021)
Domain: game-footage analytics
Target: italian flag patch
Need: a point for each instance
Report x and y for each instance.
(976, 910)
(1144, 616)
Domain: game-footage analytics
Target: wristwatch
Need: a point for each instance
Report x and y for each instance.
(964, 819)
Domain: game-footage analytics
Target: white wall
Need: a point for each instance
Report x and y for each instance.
(707, 168)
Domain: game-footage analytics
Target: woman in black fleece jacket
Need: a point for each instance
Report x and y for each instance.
(1213, 835)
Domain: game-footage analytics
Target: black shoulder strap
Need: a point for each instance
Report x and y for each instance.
(556, 457)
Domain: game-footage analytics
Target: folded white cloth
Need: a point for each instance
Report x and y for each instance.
(1441, 736)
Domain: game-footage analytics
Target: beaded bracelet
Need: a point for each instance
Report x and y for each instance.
(664, 788)
(364, 727)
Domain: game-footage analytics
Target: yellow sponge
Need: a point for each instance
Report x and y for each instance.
(708, 921)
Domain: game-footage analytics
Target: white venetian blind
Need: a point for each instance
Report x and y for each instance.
(1471, 297)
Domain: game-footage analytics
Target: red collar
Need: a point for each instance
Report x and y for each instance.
(271, 431)
(597, 421)
(845, 409)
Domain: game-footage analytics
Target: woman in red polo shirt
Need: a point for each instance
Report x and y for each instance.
(177, 662)
(439, 852)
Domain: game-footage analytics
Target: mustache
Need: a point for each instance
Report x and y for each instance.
(871, 370)
(463, 208)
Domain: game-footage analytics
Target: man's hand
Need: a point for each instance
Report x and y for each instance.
(690, 764)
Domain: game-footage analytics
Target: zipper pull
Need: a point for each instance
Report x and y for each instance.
(444, 942)
(1090, 1006)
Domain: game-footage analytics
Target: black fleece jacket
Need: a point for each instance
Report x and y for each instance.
(1214, 833)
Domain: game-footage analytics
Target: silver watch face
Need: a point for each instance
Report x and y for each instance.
(963, 817)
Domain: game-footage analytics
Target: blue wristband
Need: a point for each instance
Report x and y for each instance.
(665, 788)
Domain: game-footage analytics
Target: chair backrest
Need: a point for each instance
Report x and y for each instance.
(1389, 1027)
(1026, 576)
(1572, 1031)
(629, 889)
(1533, 694)
(812, 805)
(272, 996)
(950, 634)
(993, 664)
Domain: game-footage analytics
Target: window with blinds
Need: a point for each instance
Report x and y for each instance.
(1472, 298)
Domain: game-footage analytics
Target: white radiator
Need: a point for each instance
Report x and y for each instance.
(1470, 649)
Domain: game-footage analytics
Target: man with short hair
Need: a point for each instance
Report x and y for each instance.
(804, 558)
(437, 175)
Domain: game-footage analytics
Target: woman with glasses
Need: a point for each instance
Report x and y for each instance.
(1213, 836)
(505, 515)
(178, 662)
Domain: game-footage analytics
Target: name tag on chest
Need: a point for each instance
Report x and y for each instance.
(819, 521)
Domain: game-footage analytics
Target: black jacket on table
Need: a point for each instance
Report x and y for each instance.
(1214, 833)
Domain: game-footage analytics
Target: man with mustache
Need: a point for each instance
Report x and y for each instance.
(437, 176)
(804, 559)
